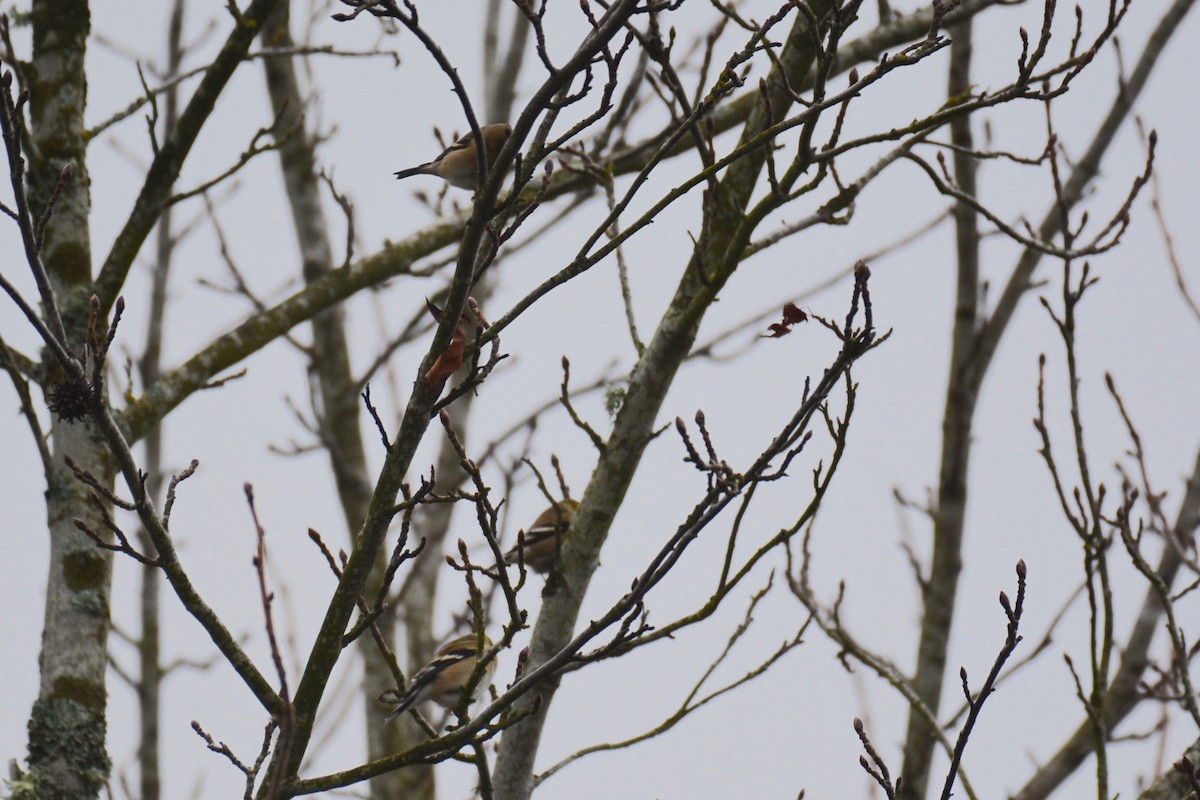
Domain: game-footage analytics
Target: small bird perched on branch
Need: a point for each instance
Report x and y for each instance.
(443, 679)
(458, 165)
(540, 544)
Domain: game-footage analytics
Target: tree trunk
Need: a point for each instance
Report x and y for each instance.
(67, 757)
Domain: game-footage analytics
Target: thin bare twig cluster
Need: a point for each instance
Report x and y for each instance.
(798, 129)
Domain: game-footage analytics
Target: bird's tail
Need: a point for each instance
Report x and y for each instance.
(405, 704)
(408, 173)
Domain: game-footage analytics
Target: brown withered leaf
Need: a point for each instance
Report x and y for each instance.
(451, 358)
(791, 316)
(777, 329)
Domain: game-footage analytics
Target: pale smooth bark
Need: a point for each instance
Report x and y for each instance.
(67, 725)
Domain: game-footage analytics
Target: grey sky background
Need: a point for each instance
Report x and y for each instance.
(791, 728)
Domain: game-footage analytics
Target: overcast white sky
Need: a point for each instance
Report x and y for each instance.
(790, 729)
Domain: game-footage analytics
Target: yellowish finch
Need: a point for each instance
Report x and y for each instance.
(542, 541)
(458, 164)
(442, 679)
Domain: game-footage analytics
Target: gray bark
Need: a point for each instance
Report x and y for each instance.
(67, 757)
(958, 415)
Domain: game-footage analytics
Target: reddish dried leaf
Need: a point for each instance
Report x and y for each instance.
(452, 357)
(792, 315)
(777, 329)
